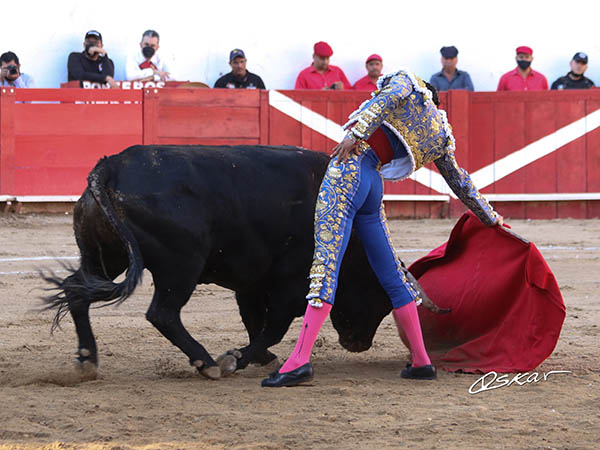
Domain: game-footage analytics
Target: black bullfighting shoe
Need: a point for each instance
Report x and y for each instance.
(427, 372)
(300, 375)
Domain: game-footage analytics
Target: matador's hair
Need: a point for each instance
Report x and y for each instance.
(434, 93)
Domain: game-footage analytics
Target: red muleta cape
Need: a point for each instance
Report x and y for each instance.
(507, 309)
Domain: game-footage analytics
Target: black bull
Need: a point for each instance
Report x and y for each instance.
(240, 217)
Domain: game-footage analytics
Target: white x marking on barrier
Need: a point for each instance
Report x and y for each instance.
(481, 178)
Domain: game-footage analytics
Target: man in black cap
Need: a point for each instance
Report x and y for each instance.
(450, 77)
(239, 77)
(575, 79)
(92, 64)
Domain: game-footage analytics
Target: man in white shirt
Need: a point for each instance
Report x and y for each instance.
(146, 65)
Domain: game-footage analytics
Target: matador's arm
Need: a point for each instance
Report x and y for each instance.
(461, 184)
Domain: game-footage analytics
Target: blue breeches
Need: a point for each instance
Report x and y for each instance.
(351, 195)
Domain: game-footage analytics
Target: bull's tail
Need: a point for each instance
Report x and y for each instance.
(83, 287)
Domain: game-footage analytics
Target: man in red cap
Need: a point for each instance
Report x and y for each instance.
(374, 64)
(320, 74)
(523, 77)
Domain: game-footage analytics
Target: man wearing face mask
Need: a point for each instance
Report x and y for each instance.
(10, 72)
(523, 77)
(450, 77)
(146, 64)
(93, 63)
(575, 79)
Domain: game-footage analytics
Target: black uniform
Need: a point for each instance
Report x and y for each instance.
(81, 68)
(250, 81)
(567, 82)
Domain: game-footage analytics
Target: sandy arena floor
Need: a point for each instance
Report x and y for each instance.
(147, 396)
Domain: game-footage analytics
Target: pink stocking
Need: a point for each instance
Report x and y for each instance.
(407, 319)
(313, 321)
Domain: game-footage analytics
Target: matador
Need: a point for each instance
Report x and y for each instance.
(391, 135)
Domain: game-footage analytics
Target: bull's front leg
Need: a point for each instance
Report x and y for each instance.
(266, 327)
(257, 351)
(253, 312)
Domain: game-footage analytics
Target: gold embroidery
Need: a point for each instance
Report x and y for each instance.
(338, 187)
(410, 111)
(335, 172)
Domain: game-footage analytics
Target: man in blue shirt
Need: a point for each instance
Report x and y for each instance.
(10, 72)
(450, 77)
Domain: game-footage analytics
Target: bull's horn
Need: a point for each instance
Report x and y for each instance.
(427, 302)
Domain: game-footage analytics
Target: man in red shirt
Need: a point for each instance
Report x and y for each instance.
(320, 74)
(374, 64)
(523, 77)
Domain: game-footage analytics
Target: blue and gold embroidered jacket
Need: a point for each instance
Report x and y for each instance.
(403, 104)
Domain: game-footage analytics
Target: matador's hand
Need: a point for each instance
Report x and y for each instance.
(344, 149)
(500, 220)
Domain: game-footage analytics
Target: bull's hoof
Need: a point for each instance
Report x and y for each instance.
(85, 359)
(88, 370)
(212, 372)
(228, 362)
(234, 352)
(85, 364)
(198, 364)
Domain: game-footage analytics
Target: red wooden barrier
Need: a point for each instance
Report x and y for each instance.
(50, 138)
(498, 124)
(201, 116)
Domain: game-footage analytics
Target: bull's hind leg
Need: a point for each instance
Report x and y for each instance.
(79, 305)
(87, 353)
(79, 308)
(165, 314)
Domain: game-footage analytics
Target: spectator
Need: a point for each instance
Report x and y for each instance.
(145, 64)
(10, 72)
(450, 77)
(320, 74)
(374, 64)
(92, 64)
(239, 77)
(523, 77)
(575, 79)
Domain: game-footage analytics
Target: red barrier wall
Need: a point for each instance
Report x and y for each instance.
(50, 138)
(493, 125)
(202, 116)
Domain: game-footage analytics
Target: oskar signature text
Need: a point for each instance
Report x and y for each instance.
(492, 380)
